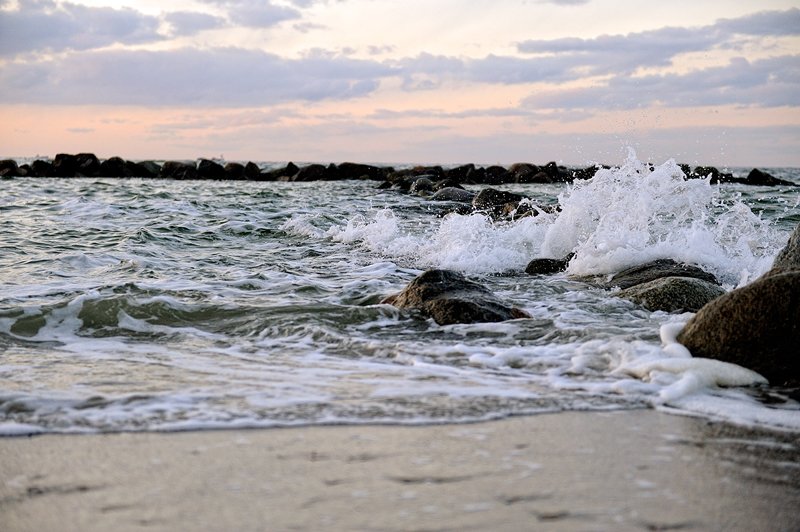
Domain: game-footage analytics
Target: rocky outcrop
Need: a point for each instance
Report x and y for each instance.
(448, 297)
(672, 294)
(756, 326)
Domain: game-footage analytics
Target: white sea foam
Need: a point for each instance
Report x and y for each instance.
(622, 217)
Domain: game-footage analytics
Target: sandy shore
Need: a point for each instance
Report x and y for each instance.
(634, 470)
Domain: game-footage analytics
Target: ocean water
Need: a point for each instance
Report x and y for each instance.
(154, 305)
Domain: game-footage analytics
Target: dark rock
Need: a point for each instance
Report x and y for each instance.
(586, 173)
(446, 183)
(41, 168)
(523, 172)
(252, 171)
(87, 164)
(178, 170)
(758, 325)
(453, 194)
(757, 177)
(672, 294)
(459, 174)
(448, 297)
(65, 165)
(312, 172)
(489, 198)
(9, 168)
(234, 171)
(283, 174)
(421, 185)
(548, 266)
(497, 175)
(112, 167)
(362, 171)
(144, 169)
(644, 273)
(716, 176)
(207, 169)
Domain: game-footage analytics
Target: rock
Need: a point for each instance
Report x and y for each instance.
(496, 201)
(112, 167)
(586, 173)
(758, 325)
(207, 169)
(9, 168)
(145, 169)
(548, 266)
(453, 194)
(87, 164)
(283, 174)
(64, 165)
(459, 174)
(421, 186)
(709, 171)
(178, 170)
(657, 269)
(496, 175)
(789, 257)
(41, 168)
(673, 294)
(312, 172)
(757, 177)
(234, 171)
(448, 297)
(252, 171)
(523, 172)
(362, 171)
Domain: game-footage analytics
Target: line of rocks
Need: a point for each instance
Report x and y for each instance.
(89, 165)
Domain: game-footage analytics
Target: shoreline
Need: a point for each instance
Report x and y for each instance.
(620, 470)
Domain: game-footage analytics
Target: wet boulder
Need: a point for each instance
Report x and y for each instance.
(544, 266)
(756, 326)
(252, 171)
(65, 165)
(496, 202)
(9, 168)
(672, 294)
(422, 186)
(234, 171)
(112, 167)
(448, 297)
(348, 170)
(178, 170)
(207, 169)
(40, 168)
(496, 175)
(453, 194)
(657, 269)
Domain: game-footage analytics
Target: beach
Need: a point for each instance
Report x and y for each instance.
(623, 470)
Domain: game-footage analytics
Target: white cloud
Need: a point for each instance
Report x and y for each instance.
(190, 23)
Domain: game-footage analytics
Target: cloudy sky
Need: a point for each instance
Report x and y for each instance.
(426, 81)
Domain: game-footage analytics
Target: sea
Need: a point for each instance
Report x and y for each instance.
(161, 305)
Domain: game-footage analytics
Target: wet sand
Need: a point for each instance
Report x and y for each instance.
(632, 470)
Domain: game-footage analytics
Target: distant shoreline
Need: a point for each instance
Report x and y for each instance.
(89, 165)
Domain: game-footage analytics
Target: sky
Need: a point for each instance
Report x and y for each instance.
(403, 81)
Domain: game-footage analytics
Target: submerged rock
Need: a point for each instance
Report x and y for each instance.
(756, 326)
(672, 294)
(657, 269)
(448, 297)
